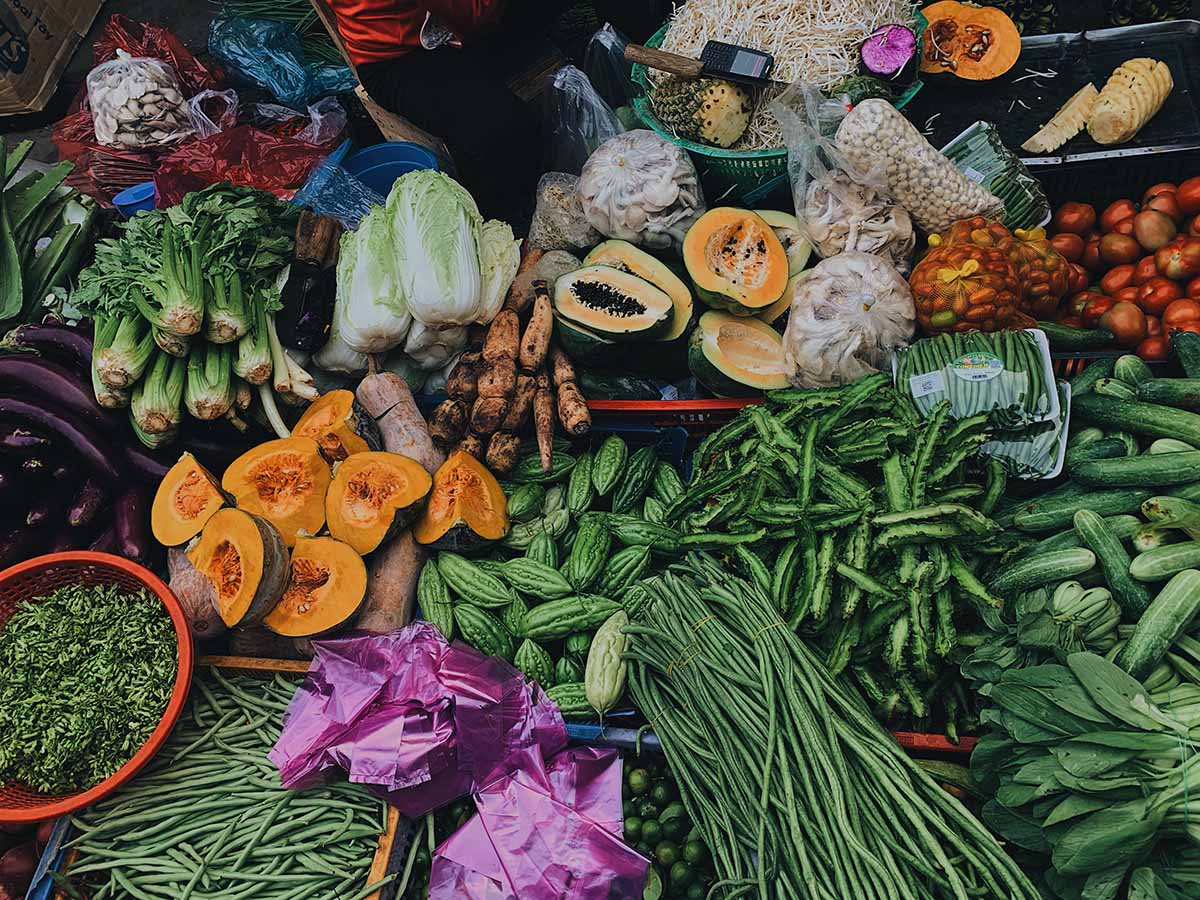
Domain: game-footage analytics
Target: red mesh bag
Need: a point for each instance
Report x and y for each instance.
(966, 287)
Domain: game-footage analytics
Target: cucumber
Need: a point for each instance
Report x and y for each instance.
(1114, 387)
(1055, 514)
(1132, 370)
(1131, 443)
(1163, 562)
(1042, 569)
(1132, 597)
(1105, 448)
(1124, 527)
(1064, 337)
(1181, 393)
(1168, 445)
(1141, 418)
(1084, 436)
(1163, 622)
(1150, 470)
(1086, 380)
(1186, 347)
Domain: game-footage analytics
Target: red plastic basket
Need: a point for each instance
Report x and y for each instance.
(42, 575)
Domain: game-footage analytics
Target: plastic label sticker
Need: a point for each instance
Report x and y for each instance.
(974, 174)
(929, 383)
(980, 366)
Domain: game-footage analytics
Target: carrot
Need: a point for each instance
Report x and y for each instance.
(543, 421)
(536, 340)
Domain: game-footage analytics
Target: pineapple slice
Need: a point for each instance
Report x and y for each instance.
(1066, 123)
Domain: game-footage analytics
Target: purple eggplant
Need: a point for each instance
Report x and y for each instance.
(131, 514)
(12, 488)
(105, 541)
(144, 464)
(19, 544)
(70, 345)
(17, 441)
(88, 501)
(67, 538)
(26, 375)
(34, 468)
(52, 501)
(82, 441)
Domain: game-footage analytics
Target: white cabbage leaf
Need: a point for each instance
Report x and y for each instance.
(370, 314)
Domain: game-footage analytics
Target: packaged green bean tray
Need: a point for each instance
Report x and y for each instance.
(207, 818)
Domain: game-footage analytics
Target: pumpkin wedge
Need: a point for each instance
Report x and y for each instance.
(976, 43)
(285, 482)
(372, 495)
(466, 507)
(187, 497)
(339, 425)
(244, 558)
(326, 588)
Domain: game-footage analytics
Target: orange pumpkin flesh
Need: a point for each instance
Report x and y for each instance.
(244, 559)
(372, 495)
(327, 586)
(339, 425)
(466, 506)
(977, 43)
(187, 497)
(285, 482)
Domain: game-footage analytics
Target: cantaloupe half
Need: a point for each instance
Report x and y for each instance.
(735, 260)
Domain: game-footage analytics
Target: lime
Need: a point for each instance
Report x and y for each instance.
(633, 828)
(651, 831)
(681, 875)
(648, 810)
(645, 849)
(639, 781)
(696, 891)
(694, 852)
(673, 829)
(661, 794)
(667, 853)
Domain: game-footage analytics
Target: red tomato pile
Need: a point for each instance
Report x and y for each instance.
(1135, 268)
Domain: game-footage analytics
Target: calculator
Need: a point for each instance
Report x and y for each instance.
(736, 63)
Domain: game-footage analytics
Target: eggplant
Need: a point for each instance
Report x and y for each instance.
(17, 441)
(67, 538)
(83, 442)
(33, 468)
(52, 501)
(105, 541)
(88, 501)
(131, 514)
(145, 464)
(19, 544)
(12, 488)
(70, 345)
(24, 374)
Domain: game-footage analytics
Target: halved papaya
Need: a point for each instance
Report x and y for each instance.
(285, 482)
(736, 357)
(339, 425)
(735, 260)
(795, 244)
(613, 303)
(187, 497)
(783, 305)
(466, 508)
(635, 261)
(372, 495)
(244, 558)
(326, 589)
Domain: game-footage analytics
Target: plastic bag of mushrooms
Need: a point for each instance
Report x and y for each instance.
(136, 102)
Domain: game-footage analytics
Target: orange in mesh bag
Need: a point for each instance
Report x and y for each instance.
(1042, 271)
(966, 287)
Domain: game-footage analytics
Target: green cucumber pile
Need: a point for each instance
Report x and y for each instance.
(867, 528)
(553, 597)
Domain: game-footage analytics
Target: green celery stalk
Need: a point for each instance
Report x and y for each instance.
(209, 393)
(123, 360)
(108, 397)
(225, 317)
(12, 297)
(171, 343)
(153, 441)
(154, 405)
(181, 310)
(254, 351)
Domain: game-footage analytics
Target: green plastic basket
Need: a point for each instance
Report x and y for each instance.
(747, 174)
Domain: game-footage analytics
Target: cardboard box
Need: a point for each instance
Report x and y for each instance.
(37, 40)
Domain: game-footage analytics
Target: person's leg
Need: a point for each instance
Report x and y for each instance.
(494, 138)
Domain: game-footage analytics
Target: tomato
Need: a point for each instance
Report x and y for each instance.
(1127, 322)
(1163, 187)
(1074, 217)
(1153, 348)
(1193, 288)
(1096, 308)
(1071, 321)
(1117, 249)
(1193, 327)
(1115, 212)
(1069, 245)
(1166, 203)
(1180, 261)
(1126, 294)
(1188, 196)
(1078, 278)
(1116, 278)
(1145, 270)
(1125, 226)
(1091, 255)
(1157, 294)
(1153, 229)
(1193, 226)
(1153, 325)
(1074, 305)
(1181, 312)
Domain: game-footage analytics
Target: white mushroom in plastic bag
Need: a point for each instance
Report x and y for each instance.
(848, 314)
(641, 188)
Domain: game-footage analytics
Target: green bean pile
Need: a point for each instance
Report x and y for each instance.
(797, 791)
(207, 819)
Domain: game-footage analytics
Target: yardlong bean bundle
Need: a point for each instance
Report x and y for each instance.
(798, 791)
(209, 820)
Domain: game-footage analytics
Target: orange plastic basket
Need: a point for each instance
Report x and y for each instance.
(40, 576)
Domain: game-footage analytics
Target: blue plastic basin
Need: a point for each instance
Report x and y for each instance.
(380, 165)
(135, 199)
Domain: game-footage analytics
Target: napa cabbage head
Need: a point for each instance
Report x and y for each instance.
(371, 314)
(435, 227)
(499, 259)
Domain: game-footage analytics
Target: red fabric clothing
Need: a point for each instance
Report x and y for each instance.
(378, 30)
